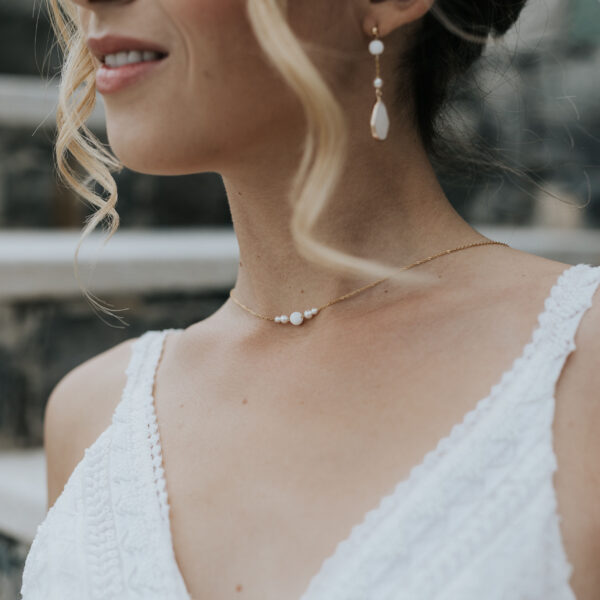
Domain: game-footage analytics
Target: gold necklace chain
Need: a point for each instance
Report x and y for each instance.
(297, 318)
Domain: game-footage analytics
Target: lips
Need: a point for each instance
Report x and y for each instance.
(111, 44)
(114, 79)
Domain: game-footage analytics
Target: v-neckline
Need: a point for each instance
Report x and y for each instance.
(376, 515)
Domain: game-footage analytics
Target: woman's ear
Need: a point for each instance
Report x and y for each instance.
(388, 15)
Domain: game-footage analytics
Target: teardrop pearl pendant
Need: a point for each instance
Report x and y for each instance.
(380, 122)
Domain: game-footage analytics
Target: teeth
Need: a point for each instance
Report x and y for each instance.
(134, 56)
(128, 57)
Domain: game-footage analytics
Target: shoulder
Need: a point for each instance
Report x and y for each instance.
(582, 378)
(79, 409)
(582, 370)
(576, 439)
(576, 419)
(530, 277)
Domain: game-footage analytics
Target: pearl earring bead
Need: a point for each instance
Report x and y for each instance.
(378, 82)
(376, 47)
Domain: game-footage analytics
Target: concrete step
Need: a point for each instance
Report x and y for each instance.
(23, 495)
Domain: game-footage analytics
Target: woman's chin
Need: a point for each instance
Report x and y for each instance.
(146, 158)
(154, 156)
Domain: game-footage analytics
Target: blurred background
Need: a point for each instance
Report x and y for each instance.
(175, 258)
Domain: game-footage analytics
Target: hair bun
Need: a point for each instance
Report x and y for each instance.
(505, 14)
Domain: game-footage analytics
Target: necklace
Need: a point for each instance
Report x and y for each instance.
(297, 317)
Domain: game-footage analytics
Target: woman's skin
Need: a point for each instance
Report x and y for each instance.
(266, 428)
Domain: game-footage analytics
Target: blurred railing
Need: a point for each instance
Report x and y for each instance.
(37, 264)
(29, 101)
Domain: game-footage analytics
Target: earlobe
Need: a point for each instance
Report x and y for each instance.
(388, 15)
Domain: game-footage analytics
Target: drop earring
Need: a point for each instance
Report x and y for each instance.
(380, 122)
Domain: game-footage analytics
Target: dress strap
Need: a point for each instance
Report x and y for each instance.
(569, 299)
(139, 486)
(145, 354)
(141, 375)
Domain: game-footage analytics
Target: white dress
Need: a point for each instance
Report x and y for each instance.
(476, 519)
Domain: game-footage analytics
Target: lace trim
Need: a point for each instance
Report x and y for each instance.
(496, 571)
(152, 439)
(101, 544)
(58, 529)
(560, 568)
(150, 419)
(104, 536)
(467, 552)
(564, 301)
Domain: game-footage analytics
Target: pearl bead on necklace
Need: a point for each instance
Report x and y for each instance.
(296, 318)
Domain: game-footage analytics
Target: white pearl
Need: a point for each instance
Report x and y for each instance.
(308, 314)
(380, 122)
(277, 319)
(378, 82)
(376, 47)
(296, 318)
(283, 319)
(314, 311)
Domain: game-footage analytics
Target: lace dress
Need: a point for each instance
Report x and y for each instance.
(476, 519)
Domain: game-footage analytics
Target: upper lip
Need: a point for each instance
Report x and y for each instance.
(111, 44)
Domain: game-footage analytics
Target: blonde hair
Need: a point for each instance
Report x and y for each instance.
(76, 101)
(320, 168)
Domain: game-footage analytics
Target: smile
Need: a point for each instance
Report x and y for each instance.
(123, 69)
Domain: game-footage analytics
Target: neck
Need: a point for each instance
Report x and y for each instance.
(388, 206)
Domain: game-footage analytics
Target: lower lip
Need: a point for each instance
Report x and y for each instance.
(113, 79)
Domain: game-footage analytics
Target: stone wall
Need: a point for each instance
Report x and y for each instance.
(42, 340)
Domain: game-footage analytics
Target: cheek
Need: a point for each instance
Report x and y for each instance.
(216, 99)
(212, 34)
(209, 32)
(205, 11)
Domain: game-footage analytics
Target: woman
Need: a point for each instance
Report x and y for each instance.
(257, 454)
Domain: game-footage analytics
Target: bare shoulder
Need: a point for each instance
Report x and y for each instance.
(577, 446)
(527, 278)
(581, 373)
(79, 409)
(579, 386)
(578, 398)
